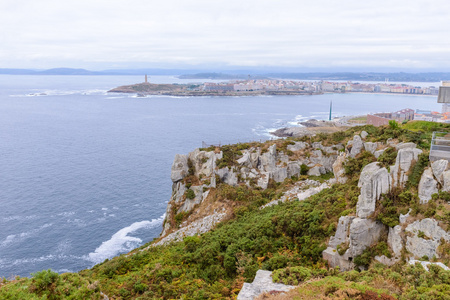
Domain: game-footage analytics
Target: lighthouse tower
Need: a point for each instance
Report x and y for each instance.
(146, 80)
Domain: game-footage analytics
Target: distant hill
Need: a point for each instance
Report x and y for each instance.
(344, 76)
(240, 74)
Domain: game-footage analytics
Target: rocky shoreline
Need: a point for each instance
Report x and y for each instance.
(311, 128)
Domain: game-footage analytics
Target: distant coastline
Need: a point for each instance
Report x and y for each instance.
(272, 87)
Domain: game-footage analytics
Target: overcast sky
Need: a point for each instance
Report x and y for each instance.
(106, 34)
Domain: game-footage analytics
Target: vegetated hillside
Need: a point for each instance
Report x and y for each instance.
(288, 238)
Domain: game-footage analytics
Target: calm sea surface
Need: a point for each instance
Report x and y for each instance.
(85, 175)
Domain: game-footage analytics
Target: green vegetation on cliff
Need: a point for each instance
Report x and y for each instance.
(288, 238)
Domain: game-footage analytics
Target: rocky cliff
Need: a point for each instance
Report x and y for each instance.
(254, 165)
(257, 165)
(414, 237)
(353, 199)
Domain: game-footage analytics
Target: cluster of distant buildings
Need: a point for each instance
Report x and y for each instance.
(407, 114)
(386, 87)
(316, 87)
(261, 85)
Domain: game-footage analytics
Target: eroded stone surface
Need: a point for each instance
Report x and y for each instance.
(357, 146)
(261, 284)
(424, 238)
(407, 154)
(439, 167)
(395, 241)
(373, 182)
(427, 186)
(179, 167)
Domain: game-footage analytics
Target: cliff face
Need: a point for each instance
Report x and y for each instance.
(414, 237)
(379, 205)
(255, 165)
(258, 165)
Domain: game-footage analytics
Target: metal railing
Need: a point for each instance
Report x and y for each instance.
(440, 146)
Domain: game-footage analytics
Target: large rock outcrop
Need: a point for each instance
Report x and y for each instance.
(195, 173)
(261, 284)
(353, 236)
(373, 182)
(424, 238)
(427, 186)
(179, 167)
(407, 154)
(356, 145)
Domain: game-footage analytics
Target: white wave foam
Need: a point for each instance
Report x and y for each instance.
(66, 213)
(120, 242)
(32, 260)
(18, 218)
(62, 93)
(21, 236)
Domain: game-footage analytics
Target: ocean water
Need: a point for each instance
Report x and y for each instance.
(85, 175)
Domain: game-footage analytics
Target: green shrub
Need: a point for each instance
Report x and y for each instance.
(417, 170)
(304, 169)
(190, 194)
(387, 158)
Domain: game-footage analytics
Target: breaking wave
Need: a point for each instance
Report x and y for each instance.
(121, 242)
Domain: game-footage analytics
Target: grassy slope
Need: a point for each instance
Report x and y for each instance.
(285, 236)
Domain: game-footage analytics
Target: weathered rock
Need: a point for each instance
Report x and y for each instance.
(178, 192)
(189, 204)
(403, 218)
(446, 180)
(431, 235)
(427, 186)
(338, 168)
(204, 162)
(405, 146)
(395, 241)
(179, 167)
(357, 146)
(314, 171)
(197, 227)
(313, 190)
(335, 260)
(261, 284)
(439, 167)
(279, 174)
(364, 134)
(378, 153)
(364, 233)
(263, 181)
(359, 234)
(268, 160)
(255, 157)
(370, 147)
(342, 232)
(373, 182)
(405, 157)
(297, 146)
(426, 264)
(245, 160)
(227, 176)
(316, 157)
(293, 169)
(386, 260)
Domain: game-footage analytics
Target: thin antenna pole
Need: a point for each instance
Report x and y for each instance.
(331, 106)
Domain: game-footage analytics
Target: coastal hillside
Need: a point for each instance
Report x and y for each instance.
(360, 214)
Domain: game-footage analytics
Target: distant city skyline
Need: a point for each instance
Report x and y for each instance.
(322, 35)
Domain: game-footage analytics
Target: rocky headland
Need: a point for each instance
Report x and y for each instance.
(311, 128)
(359, 214)
(180, 90)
